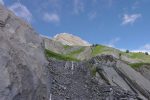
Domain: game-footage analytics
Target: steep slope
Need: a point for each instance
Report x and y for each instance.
(23, 73)
(77, 52)
(69, 39)
(100, 78)
(143, 68)
(87, 52)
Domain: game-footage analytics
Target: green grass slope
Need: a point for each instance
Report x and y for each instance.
(138, 56)
(51, 54)
(73, 53)
(76, 52)
(101, 49)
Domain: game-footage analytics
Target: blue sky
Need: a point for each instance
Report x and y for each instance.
(123, 24)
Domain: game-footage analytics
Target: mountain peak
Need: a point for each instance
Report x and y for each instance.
(70, 39)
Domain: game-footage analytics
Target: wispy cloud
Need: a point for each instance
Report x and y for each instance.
(113, 42)
(51, 17)
(78, 6)
(135, 5)
(145, 48)
(130, 19)
(2, 2)
(21, 11)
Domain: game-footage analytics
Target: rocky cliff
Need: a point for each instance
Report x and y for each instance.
(100, 78)
(23, 74)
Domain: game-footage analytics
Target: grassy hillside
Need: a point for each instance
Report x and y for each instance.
(73, 53)
(66, 47)
(101, 49)
(138, 65)
(51, 54)
(142, 57)
(98, 49)
(76, 52)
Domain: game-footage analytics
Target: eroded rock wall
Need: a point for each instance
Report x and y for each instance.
(23, 73)
(100, 78)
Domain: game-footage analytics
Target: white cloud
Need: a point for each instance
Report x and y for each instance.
(145, 48)
(143, 51)
(78, 6)
(2, 2)
(130, 19)
(113, 42)
(21, 11)
(51, 17)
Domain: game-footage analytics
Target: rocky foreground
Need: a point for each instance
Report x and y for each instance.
(25, 73)
(101, 78)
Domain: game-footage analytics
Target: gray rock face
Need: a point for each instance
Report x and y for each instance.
(3, 16)
(136, 79)
(23, 73)
(112, 80)
(53, 45)
(144, 70)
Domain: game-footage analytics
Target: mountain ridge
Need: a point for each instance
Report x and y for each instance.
(87, 52)
(70, 39)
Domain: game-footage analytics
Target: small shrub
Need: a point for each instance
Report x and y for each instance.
(94, 70)
(95, 45)
(127, 51)
(146, 53)
(120, 55)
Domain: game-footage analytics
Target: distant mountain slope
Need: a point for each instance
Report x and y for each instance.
(69, 39)
(86, 51)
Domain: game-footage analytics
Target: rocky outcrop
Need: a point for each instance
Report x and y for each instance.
(69, 39)
(74, 81)
(23, 73)
(144, 70)
(3, 16)
(100, 78)
(139, 82)
(53, 45)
